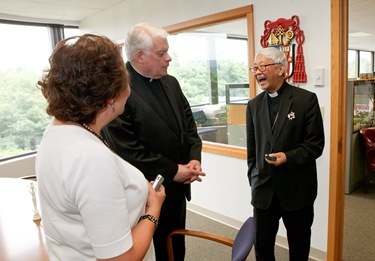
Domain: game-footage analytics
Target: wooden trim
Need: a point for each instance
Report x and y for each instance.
(225, 150)
(210, 20)
(245, 12)
(235, 113)
(251, 52)
(339, 75)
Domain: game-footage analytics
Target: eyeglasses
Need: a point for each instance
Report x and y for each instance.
(261, 67)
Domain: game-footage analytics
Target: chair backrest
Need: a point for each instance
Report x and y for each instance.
(368, 138)
(244, 240)
(200, 117)
(241, 245)
(368, 135)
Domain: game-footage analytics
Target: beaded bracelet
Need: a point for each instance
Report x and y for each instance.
(151, 218)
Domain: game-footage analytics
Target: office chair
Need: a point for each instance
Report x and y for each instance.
(368, 137)
(241, 245)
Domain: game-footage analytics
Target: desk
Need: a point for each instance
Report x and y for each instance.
(21, 238)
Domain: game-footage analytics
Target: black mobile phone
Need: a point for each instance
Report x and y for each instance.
(271, 158)
(158, 181)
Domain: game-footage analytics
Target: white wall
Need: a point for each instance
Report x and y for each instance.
(226, 181)
(225, 191)
(116, 21)
(225, 188)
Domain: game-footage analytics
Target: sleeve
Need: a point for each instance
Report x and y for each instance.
(98, 192)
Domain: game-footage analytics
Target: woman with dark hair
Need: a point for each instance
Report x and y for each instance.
(94, 204)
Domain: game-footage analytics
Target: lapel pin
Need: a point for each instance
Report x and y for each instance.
(291, 116)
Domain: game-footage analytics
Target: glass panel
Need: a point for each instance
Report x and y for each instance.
(68, 32)
(22, 107)
(352, 64)
(363, 114)
(365, 64)
(23, 114)
(212, 68)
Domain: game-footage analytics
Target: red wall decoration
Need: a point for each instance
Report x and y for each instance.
(281, 33)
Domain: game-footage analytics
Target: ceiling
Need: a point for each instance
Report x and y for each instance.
(66, 11)
(361, 25)
(361, 15)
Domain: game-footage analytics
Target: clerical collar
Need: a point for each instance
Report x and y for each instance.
(273, 95)
(146, 78)
(277, 93)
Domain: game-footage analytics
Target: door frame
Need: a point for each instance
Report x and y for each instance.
(339, 81)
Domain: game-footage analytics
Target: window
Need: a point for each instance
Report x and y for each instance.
(365, 62)
(24, 52)
(352, 64)
(212, 68)
(223, 23)
(210, 57)
(360, 64)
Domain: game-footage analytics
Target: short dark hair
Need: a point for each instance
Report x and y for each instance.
(85, 72)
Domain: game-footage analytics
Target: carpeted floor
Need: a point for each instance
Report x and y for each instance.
(203, 250)
(359, 233)
(359, 225)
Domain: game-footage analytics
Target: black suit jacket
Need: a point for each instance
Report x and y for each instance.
(299, 133)
(144, 135)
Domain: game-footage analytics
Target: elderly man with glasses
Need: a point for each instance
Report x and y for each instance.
(285, 136)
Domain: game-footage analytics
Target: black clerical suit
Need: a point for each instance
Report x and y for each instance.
(290, 123)
(156, 132)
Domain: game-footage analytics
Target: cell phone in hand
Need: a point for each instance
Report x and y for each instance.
(158, 181)
(271, 158)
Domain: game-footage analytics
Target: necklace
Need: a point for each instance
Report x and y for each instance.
(84, 125)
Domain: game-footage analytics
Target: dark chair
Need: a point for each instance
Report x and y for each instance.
(241, 245)
(202, 120)
(368, 137)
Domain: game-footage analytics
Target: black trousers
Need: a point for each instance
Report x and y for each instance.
(298, 227)
(172, 216)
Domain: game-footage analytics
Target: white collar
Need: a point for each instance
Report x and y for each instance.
(273, 95)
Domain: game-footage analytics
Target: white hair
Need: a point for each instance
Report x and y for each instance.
(140, 37)
(275, 55)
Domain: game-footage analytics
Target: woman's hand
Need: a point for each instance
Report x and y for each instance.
(155, 200)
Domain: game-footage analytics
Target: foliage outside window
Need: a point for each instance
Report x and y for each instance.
(365, 62)
(363, 103)
(352, 64)
(24, 52)
(359, 63)
(206, 64)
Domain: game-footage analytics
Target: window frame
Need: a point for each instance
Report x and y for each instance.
(245, 12)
